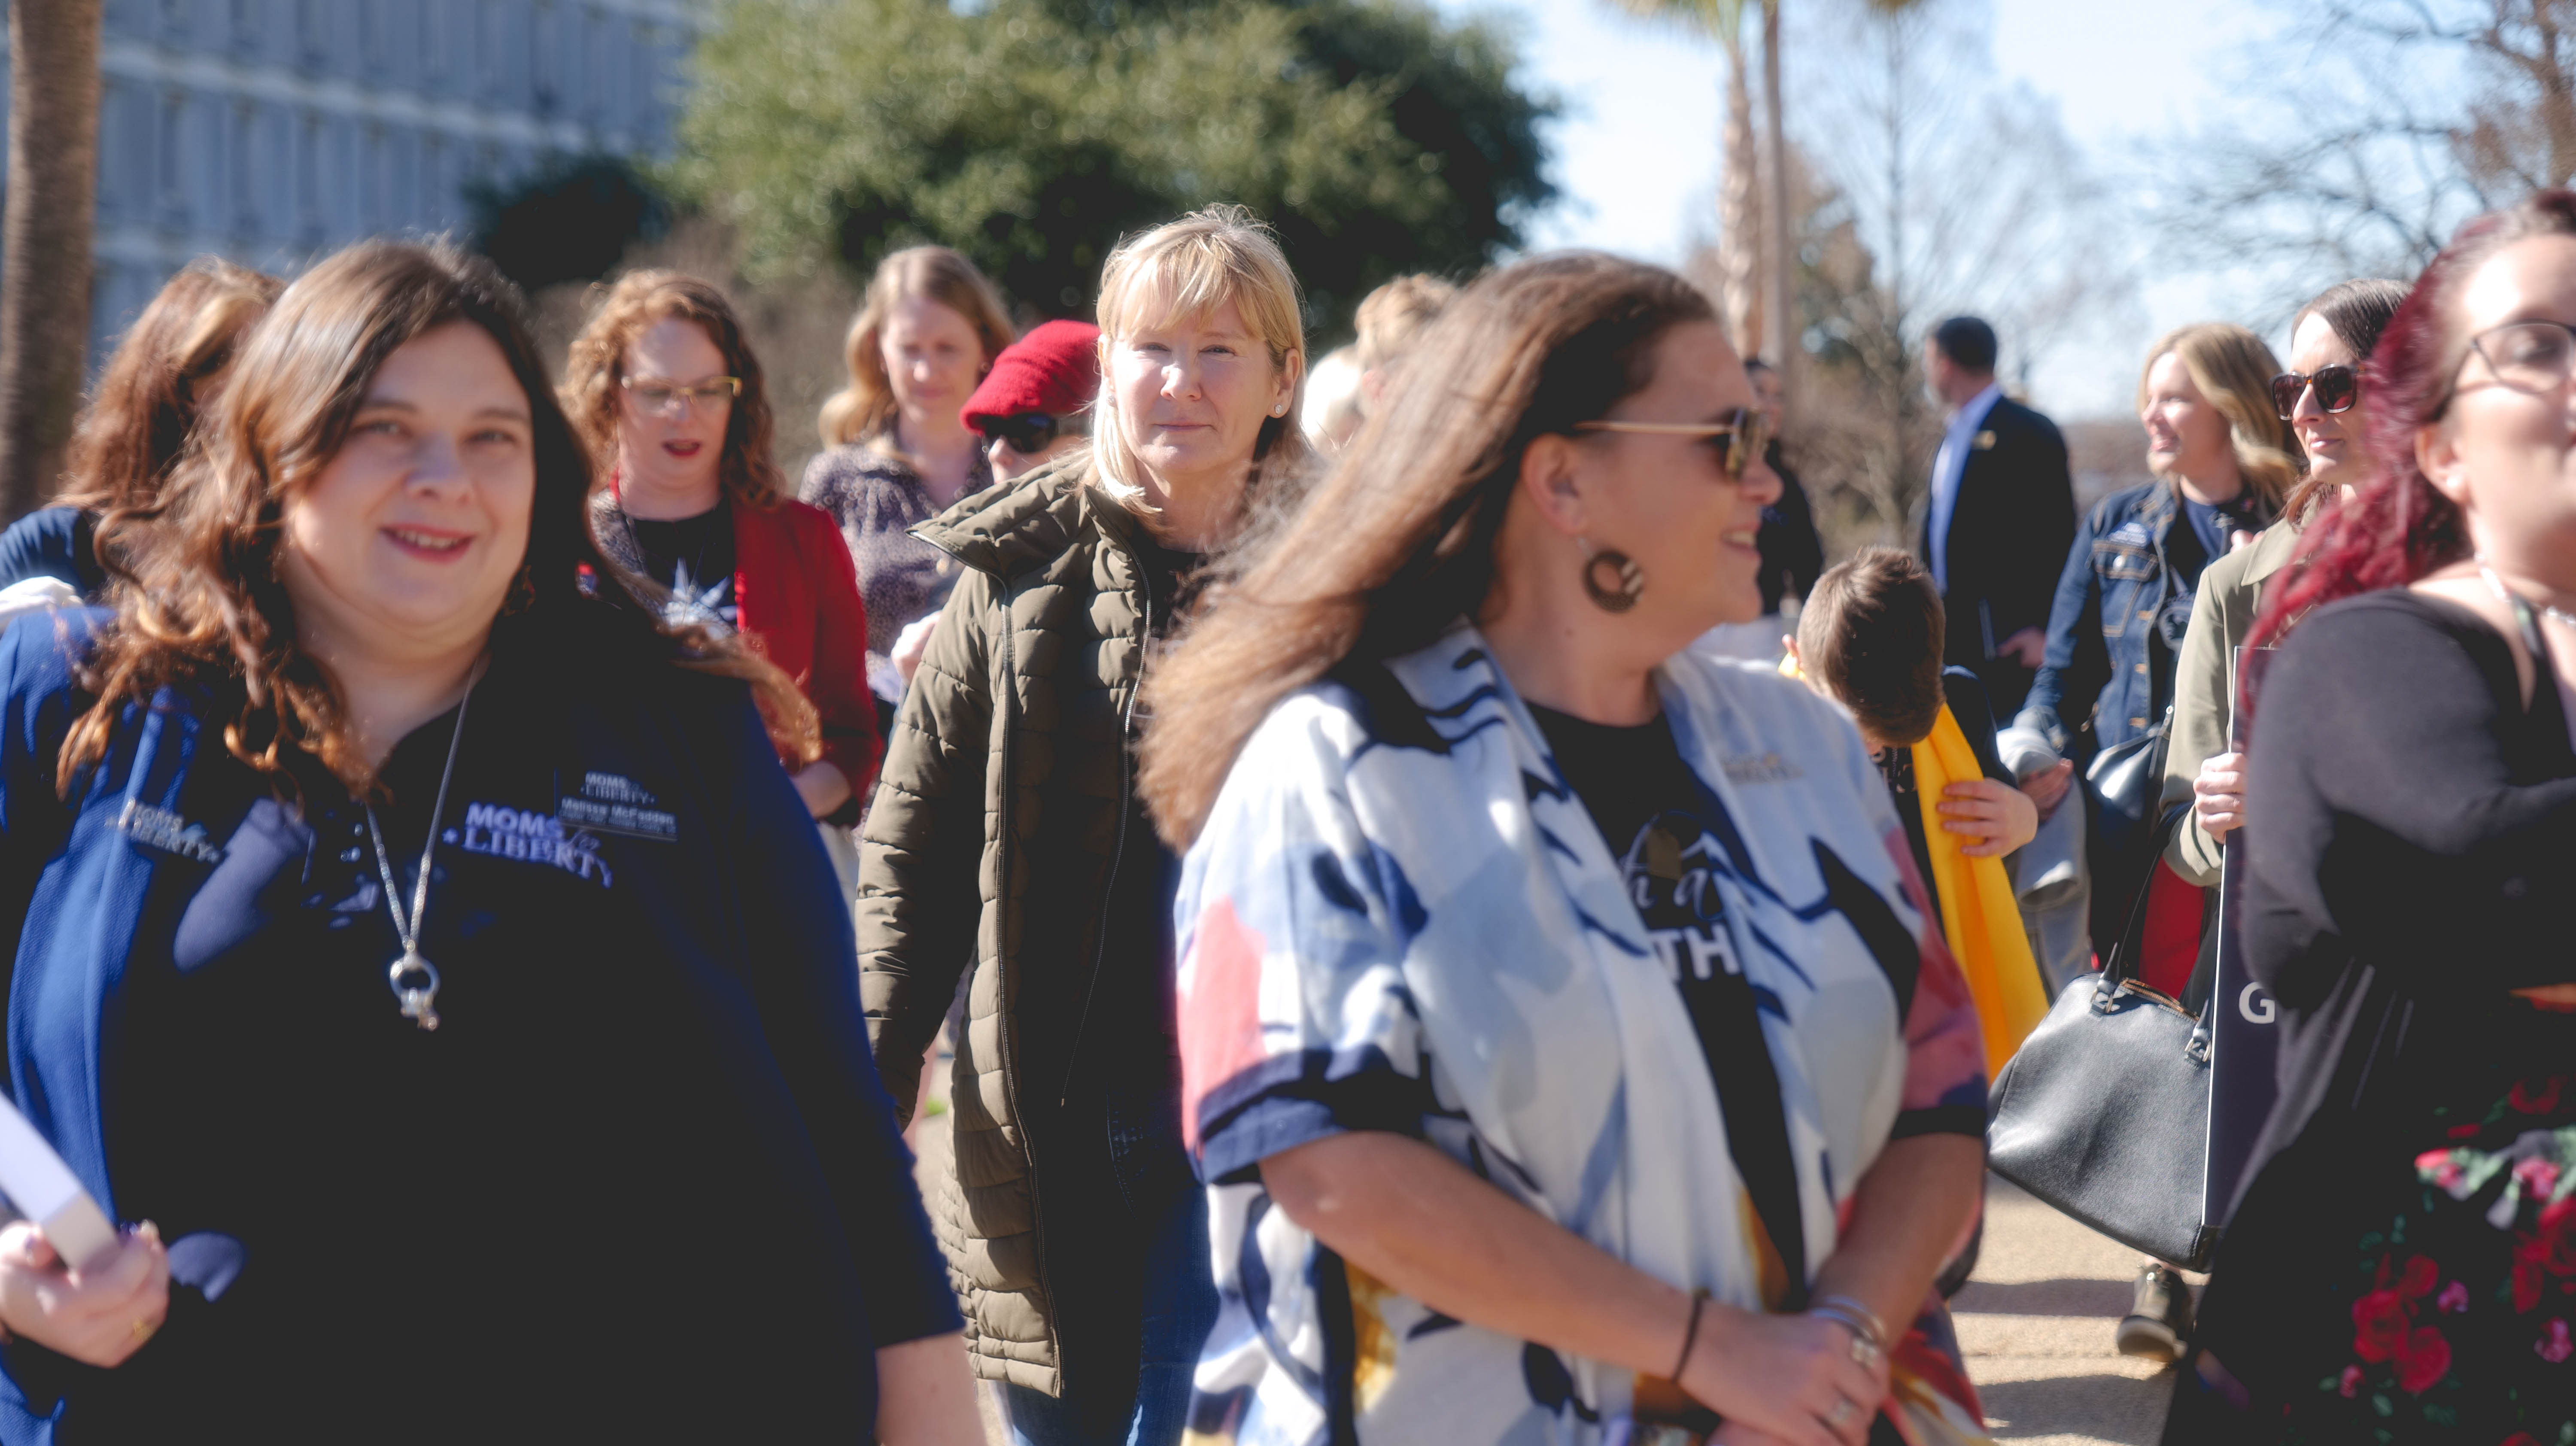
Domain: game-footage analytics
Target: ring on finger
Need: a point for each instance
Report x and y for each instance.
(1841, 1412)
(1866, 1354)
(142, 1328)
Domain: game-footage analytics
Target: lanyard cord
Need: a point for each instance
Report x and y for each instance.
(408, 929)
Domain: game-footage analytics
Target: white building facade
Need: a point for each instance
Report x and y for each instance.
(272, 131)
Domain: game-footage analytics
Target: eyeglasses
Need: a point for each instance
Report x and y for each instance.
(2527, 356)
(1739, 439)
(657, 397)
(2338, 387)
(1027, 433)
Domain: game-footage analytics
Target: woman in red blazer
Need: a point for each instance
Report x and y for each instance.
(668, 394)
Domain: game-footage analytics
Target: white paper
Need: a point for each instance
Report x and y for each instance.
(44, 1189)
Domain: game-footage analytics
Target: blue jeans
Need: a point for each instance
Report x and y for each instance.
(1180, 1310)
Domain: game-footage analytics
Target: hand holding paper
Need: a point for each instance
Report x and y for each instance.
(68, 1280)
(99, 1315)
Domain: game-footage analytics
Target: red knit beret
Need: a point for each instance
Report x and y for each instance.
(1053, 369)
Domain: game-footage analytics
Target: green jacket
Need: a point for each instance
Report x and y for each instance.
(2222, 615)
(997, 826)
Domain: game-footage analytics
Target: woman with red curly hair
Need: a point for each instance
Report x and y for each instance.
(666, 390)
(2403, 1268)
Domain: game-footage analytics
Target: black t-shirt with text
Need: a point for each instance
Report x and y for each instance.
(1662, 825)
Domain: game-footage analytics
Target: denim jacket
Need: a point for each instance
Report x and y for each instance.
(2123, 605)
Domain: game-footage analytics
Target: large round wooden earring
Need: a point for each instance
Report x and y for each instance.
(1611, 579)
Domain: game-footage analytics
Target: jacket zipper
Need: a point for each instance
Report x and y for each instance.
(1117, 854)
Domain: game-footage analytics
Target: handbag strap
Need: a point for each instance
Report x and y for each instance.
(2120, 966)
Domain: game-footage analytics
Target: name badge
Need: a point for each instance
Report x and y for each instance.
(1768, 768)
(613, 803)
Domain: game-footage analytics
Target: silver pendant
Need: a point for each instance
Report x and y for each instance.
(415, 983)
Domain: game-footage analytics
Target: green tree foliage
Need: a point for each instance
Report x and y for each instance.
(1030, 134)
(569, 220)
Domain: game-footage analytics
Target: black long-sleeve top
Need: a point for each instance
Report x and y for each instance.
(2411, 846)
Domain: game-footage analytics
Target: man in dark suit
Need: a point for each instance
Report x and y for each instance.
(2001, 517)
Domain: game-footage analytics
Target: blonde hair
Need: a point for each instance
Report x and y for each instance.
(2234, 370)
(865, 409)
(1186, 268)
(594, 398)
(1392, 317)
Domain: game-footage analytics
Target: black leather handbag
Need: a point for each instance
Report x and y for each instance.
(2129, 780)
(2104, 1111)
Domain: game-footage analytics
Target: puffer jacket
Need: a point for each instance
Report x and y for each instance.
(1000, 821)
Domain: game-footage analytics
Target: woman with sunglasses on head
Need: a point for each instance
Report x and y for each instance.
(666, 390)
(896, 452)
(423, 934)
(163, 373)
(2403, 1269)
(1558, 1011)
(2321, 398)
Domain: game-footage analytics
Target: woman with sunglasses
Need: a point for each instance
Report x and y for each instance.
(896, 452)
(2403, 1269)
(667, 392)
(1559, 1020)
(2321, 398)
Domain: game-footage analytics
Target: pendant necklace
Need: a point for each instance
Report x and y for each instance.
(2496, 585)
(413, 978)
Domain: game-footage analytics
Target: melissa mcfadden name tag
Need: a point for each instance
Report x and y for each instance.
(613, 803)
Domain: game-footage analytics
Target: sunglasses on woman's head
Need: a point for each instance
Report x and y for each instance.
(2338, 387)
(1739, 439)
(1027, 433)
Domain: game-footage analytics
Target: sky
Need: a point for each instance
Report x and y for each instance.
(1637, 148)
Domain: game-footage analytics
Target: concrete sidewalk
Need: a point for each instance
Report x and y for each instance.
(2035, 1322)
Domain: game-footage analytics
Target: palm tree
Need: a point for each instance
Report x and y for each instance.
(45, 240)
(1784, 350)
(1742, 293)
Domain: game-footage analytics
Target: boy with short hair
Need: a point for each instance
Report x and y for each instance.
(1870, 638)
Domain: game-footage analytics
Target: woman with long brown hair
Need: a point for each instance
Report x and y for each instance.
(2403, 1267)
(1563, 1040)
(665, 388)
(428, 940)
(897, 452)
(146, 401)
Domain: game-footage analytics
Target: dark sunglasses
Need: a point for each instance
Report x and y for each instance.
(1028, 433)
(2338, 387)
(1739, 439)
